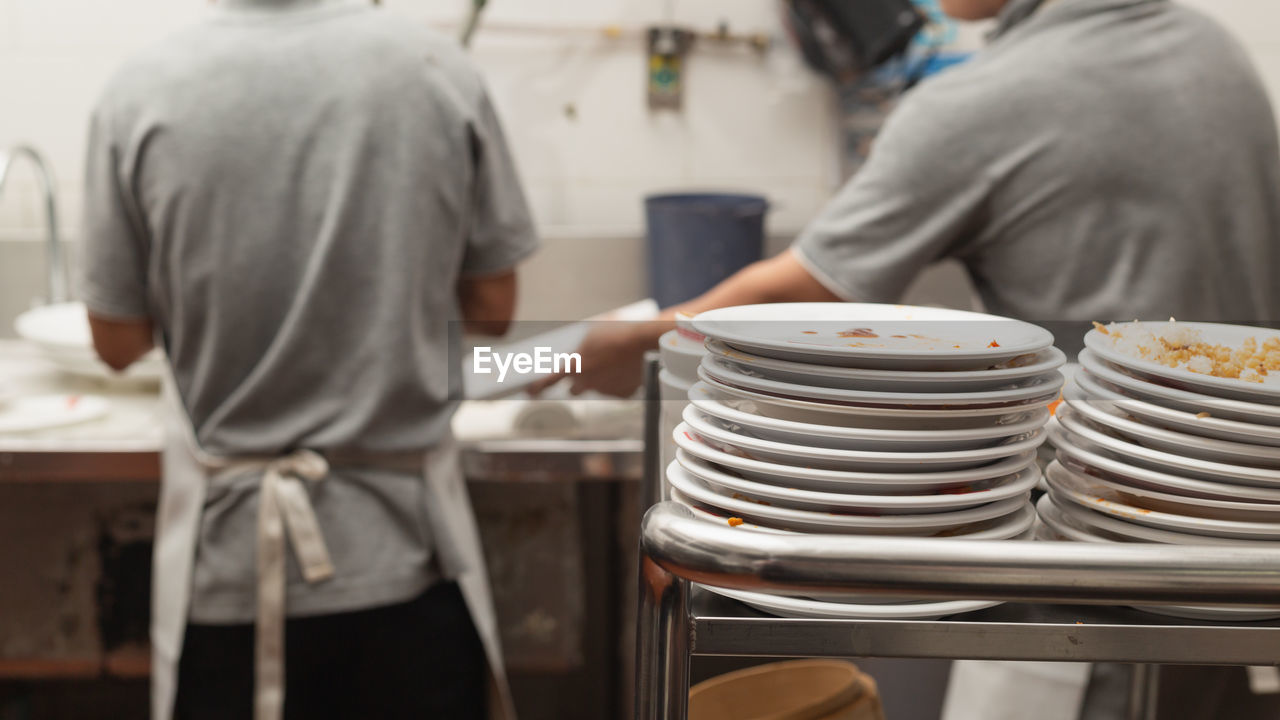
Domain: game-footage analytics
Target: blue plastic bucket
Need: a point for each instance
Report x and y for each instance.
(697, 240)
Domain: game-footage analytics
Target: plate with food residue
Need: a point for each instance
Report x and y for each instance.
(42, 412)
(1230, 361)
(1160, 393)
(1198, 423)
(741, 374)
(995, 376)
(874, 336)
(755, 512)
(1080, 493)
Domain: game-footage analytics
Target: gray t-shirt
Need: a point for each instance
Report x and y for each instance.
(291, 190)
(1100, 160)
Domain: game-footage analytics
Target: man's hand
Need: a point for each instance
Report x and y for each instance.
(612, 359)
(613, 354)
(121, 342)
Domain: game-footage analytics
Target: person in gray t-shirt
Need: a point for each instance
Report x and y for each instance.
(1100, 160)
(306, 199)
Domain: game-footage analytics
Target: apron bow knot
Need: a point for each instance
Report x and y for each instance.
(284, 505)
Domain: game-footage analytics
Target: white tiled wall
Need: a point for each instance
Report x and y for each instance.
(573, 102)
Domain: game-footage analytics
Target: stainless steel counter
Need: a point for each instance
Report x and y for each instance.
(558, 517)
(124, 446)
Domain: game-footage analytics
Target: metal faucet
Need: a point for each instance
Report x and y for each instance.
(53, 250)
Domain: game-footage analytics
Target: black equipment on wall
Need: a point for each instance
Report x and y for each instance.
(846, 38)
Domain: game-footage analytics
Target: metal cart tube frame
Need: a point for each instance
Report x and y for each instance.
(677, 549)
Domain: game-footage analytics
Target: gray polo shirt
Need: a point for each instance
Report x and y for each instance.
(1101, 159)
(291, 190)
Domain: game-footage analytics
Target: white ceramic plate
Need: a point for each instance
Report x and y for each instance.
(897, 380)
(1148, 499)
(680, 355)
(1232, 336)
(905, 337)
(871, 504)
(858, 416)
(853, 460)
(927, 524)
(672, 388)
(1060, 525)
(703, 513)
(867, 483)
(1212, 427)
(42, 412)
(1180, 399)
(829, 436)
(1015, 525)
(1080, 455)
(1089, 437)
(1079, 493)
(1043, 388)
(1104, 413)
(806, 608)
(1086, 518)
(61, 332)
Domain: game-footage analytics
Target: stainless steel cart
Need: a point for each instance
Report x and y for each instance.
(677, 620)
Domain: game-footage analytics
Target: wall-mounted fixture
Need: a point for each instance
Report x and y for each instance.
(57, 278)
(668, 46)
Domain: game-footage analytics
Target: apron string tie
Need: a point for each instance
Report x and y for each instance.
(284, 506)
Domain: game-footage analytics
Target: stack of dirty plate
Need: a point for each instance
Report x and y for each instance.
(865, 419)
(1151, 446)
(681, 351)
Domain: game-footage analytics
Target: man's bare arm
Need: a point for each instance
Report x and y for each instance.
(613, 353)
(121, 342)
(488, 303)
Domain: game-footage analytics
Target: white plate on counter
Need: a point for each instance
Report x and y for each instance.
(1204, 426)
(859, 482)
(928, 524)
(1233, 336)
(874, 504)
(1180, 399)
(1106, 414)
(785, 606)
(854, 460)
(896, 380)
(905, 337)
(1148, 499)
(1081, 494)
(858, 438)
(1042, 388)
(43, 412)
(1084, 435)
(860, 416)
(1058, 523)
(62, 334)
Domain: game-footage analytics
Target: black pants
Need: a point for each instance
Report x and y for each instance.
(421, 660)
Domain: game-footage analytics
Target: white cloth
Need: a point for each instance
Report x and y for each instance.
(286, 508)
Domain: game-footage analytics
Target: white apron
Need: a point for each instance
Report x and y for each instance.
(285, 508)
